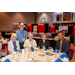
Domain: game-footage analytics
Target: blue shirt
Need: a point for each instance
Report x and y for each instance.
(15, 47)
(43, 44)
(21, 35)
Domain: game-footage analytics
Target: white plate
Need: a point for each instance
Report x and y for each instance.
(41, 54)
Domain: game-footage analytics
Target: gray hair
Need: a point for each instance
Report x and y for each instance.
(14, 34)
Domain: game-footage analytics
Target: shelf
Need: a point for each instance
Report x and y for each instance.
(63, 21)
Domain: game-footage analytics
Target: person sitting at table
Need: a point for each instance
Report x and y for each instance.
(13, 45)
(44, 42)
(63, 45)
(30, 42)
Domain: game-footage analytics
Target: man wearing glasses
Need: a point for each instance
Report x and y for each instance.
(21, 35)
(63, 45)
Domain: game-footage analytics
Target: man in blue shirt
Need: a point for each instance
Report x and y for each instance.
(21, 35)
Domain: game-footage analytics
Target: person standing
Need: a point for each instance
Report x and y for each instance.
(21, 35)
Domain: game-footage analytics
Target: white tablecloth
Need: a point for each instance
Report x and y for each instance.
(24, 57)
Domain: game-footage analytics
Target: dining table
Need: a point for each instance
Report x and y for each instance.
(34, 56)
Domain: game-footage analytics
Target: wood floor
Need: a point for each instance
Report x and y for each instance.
(72, 47)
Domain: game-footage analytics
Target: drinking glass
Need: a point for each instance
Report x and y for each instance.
(35, 49)
(49, 59)
(43, 49)
(55, 54)
(29, 52)
(13, 57)
(18, 54)
(50, 49)
(39, 49)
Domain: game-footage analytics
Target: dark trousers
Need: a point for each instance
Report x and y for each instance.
(21, 45)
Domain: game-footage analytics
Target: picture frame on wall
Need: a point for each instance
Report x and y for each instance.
(34, 28)
(15, 26)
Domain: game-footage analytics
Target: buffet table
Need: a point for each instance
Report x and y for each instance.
(24, 57)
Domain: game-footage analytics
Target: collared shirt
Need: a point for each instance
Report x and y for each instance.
(21, 35)
(61, 43)
(30, 44)
(43, 43)
(15, 47)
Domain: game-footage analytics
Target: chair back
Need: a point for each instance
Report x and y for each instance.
(6, 50)
(72, 51)
(4, 45)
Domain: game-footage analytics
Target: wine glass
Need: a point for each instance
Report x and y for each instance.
(18, 54)
(39, 49)
(43, 49)
(50, 49)
(49, 59)
(13, 58)
(29, 52)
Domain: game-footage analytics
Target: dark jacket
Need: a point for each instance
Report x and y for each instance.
(65, 47)
(40, 43)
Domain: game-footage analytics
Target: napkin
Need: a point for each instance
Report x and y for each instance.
(7, 60)
(1, 42)
(58, 60)
(8, 40)
(45, 49)
(56, 51)
(32, 48)
(20, 50)
(64, 55)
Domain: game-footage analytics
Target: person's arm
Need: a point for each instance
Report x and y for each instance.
(56, 45)
(26, 38)
(67, 47)
(16, 33)
(26, 35)
(24, 45)
(35, 44)
(10, 52)
(40, 44)
(67, 50)
(18, 46)
(48, 44)
(9, 47)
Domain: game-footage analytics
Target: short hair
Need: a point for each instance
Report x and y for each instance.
(44, 34)
(30, 33)
(14, 34)
(61, 32)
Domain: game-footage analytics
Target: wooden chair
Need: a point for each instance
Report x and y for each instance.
(72, 51)
(6, 50)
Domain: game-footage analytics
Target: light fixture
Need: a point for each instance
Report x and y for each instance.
(45, 20)
(42, 20)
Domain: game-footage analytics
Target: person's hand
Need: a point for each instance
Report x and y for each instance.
(10, 52)
(26, 38)
(24, 47)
